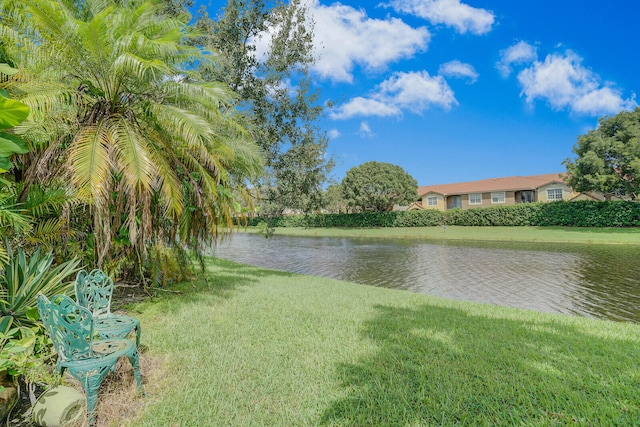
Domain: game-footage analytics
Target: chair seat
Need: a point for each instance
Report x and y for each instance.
(105, 353)
(116, 326)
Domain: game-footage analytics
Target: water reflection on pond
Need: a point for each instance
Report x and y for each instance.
(600, 281)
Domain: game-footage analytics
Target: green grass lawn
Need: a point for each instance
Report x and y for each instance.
(628, 236)
(255, 347)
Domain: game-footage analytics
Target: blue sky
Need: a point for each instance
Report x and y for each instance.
(461, 90)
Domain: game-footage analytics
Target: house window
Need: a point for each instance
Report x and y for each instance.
(475, 199)
(454, 202)
(527, 196)
(554, 194)
(497, 197)
(432, 201)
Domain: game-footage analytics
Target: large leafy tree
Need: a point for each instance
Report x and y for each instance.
(159, 155)
(276, 90)
(378, 186)
(608, 158)
(334, 200)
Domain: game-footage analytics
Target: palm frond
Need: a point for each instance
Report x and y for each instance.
(207, 180)
(96, 44)
(132, 154)
(147, 36)
(45, 100)
(167, 182)
(129, 64)
(209, 95)
(43, 202)
(14, 41)
(90, 160)
(40, 134)
(47, 232)
(185, 125)
(13, 215)
(246, 159)
(53, 20)
(94, 7)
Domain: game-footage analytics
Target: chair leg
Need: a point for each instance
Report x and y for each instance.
(134, 358)
(91, 387)
(138, 332)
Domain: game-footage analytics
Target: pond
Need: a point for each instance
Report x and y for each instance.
(601, 281)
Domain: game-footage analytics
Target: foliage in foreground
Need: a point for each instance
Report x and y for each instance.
(22, 278)
(308, 351)
(158, 154)
(562, 213)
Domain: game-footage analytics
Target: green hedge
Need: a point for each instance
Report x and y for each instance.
(569, 214)
(591, 214)
(359, 220)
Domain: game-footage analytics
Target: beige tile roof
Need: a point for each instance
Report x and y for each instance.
(511, 183)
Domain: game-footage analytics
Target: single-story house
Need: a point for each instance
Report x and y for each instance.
(495, 192)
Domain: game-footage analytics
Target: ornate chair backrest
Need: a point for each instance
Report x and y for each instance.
(69, 326)
(94, 291)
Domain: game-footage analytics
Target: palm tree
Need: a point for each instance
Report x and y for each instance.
(160, 155)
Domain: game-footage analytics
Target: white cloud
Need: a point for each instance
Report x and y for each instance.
(344, 37)
(360, 106)
(605, 100)
(458, 69)
(333, 133)
(563, 82)
(452, 13)
(414, 91)
(520, 53)
(365, 130)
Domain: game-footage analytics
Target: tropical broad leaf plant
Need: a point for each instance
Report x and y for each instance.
(12, 113)
(13, 216)
(23, 277)
(158, 153)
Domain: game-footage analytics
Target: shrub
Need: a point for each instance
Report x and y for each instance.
(22, 338)
(22, 278)
(561, 213)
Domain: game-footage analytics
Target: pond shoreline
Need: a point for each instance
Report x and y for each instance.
(605, 236)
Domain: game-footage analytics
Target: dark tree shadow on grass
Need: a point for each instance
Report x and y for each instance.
(443, 366)
(221, 278)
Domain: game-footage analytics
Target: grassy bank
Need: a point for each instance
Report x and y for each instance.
(255, 347)
(628, 236)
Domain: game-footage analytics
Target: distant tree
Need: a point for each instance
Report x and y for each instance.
(333, 199)
(376, 186)
(608, 158)
(276, 93)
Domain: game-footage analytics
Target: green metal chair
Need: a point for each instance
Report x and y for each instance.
(94, 291)
(89, 360)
